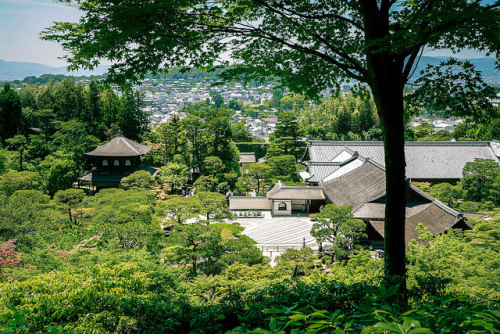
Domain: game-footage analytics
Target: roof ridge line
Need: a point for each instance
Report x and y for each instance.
(419, 191)
(130, 145)
(446, 207)
(349, 172)
(377, 196)
(324, 163)
(416, 213)
(407, 142)
(300, 187)
(376, 164)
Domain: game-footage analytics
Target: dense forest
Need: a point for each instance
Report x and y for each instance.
(143, 258)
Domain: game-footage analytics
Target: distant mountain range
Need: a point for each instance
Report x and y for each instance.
(13, 70)
(486, 65)
(16, 70)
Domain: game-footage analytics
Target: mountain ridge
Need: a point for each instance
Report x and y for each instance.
(17, 70)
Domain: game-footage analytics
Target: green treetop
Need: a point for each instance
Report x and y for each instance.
(213, 204)
(336, 225)
(174, 174)
(377, 42)
(19, 144)
(479, 180)
(140, 179)
(178, 209)
(172, 138)
(10, 112)
(70, 197)
(287, 139)
(254, 175)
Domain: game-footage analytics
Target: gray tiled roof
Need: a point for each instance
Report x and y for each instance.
(247, 157)
(280, 191)
(425, 160)
(120, 146)
(320, 170)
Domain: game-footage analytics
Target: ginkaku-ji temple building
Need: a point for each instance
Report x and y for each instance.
(353, 173)
(113, 161)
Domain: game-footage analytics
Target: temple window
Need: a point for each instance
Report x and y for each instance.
(128, 163)
(116, 163)
(282, 206)
(105, 162)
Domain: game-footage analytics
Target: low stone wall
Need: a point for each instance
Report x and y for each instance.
(249, 203)
(278, 212)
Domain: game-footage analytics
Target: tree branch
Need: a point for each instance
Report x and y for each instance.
(312, 17)
(254, 32)
(409, 65)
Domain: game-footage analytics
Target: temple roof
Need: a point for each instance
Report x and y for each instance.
(356, 186)
(120, 146)
(282, 192)
(436, 216)
(425, 160)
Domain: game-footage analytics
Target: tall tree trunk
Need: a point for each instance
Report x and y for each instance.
(385, 68)
(194, 260)
(387, 90)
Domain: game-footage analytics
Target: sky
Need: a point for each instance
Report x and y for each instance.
(21, 22)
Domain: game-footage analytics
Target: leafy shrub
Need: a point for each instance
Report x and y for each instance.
(139, 179)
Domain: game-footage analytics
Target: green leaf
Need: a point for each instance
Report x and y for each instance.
(420, 331)
(298, 317)
(394, 328)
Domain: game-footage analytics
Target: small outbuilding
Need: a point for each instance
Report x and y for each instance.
(286, 199)
(247, 158)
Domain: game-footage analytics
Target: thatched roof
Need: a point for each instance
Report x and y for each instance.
(377, 209)
(120, 146)
(361, 185)
(435, 216)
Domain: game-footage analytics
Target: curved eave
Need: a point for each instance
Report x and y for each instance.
(114, 155)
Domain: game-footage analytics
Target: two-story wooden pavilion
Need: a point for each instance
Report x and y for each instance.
(113, 161)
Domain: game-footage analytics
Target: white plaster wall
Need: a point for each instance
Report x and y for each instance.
(249, 203)
(278, 212)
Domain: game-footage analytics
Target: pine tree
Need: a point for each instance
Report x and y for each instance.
(10, 113)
